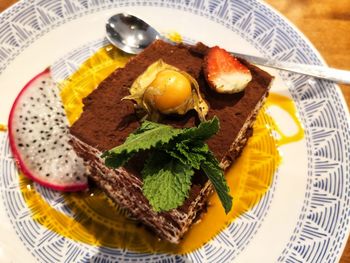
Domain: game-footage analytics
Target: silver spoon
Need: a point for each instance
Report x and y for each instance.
(132, 35)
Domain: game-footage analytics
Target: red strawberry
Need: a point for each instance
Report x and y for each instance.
(224, 72)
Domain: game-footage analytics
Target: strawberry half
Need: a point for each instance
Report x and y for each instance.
(224, 72)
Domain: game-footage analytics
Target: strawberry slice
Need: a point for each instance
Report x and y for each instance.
(224, 72)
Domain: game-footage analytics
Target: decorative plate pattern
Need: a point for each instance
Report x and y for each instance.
(323, 222)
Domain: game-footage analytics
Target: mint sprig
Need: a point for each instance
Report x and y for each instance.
(175, 155)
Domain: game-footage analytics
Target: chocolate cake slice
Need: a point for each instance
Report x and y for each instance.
(107, 120)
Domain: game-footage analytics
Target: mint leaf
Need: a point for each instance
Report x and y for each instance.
(116, 160)
(189, 152)
(204, 130)
(166, 181)
(197, 155)
(148, 135)
(216, 175)
(189, 146)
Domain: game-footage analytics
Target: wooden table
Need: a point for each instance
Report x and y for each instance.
(326, 23)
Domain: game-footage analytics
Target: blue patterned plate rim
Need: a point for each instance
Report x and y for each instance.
(306, 95)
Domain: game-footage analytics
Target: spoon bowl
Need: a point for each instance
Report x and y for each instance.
(130, 33)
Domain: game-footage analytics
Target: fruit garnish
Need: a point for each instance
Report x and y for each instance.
(38, 134)
(161, 93)
(3, 127)
(164, 89)
(174, 156)
(224, 72)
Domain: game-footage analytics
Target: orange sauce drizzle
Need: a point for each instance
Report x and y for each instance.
(99, 222)
(288, 106)
(174, 36)
(3, 128)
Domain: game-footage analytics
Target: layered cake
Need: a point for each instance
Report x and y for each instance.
(108, 119)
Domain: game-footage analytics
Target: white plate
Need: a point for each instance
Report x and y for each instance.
(304, 215)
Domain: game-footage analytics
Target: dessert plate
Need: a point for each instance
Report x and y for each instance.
(303, 217)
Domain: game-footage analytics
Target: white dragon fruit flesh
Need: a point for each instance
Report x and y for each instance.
(39, 137)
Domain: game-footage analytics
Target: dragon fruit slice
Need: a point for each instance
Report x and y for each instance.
(39, 137)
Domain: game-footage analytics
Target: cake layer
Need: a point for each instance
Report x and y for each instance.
(107, 120)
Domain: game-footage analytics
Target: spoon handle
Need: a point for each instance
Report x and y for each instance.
(336, 75)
